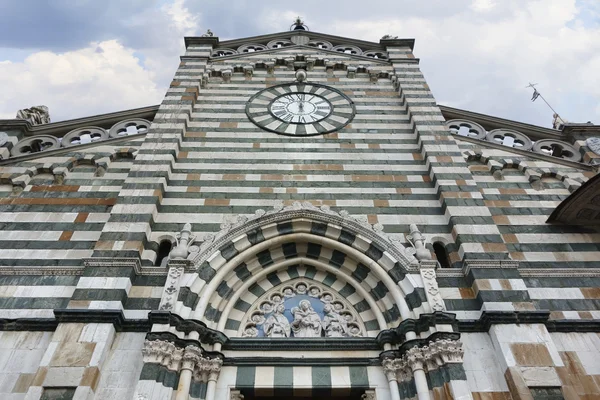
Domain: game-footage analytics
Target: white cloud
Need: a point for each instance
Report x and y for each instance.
(183, 21)
(102, 77)
(483, 62)
(483, 5)
(478, 55)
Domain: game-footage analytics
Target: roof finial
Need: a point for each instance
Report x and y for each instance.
(298, 25)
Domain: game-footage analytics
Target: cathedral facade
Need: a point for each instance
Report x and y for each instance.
(298, 218)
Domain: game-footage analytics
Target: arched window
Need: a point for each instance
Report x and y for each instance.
(441, 254)
(164, 248)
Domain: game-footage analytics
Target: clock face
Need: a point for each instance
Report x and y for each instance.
(300, 109)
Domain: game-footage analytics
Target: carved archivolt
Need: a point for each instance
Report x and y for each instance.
(337, 317)
(92, 134)
(279, 212)
(514, 139)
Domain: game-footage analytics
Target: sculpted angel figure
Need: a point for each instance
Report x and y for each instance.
(307, 322)
(334, 324)
(277, 325)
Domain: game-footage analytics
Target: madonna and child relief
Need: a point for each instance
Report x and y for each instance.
(303, 312)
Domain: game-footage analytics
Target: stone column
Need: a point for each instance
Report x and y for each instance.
(191, 357)
(415, 360)
(390, 368)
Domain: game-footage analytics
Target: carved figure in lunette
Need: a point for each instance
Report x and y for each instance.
(307, 322)
(334, 324)
(277, 325)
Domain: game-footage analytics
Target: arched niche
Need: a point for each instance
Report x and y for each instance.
(335, 245)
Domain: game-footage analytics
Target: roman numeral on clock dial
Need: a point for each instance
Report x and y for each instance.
(300, 110)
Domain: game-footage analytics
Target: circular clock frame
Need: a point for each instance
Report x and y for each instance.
(259, 109)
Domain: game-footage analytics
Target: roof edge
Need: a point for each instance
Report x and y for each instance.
(535, 131)
(51, 128)
(287, 34)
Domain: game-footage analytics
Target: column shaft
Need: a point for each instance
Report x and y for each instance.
(183, 390)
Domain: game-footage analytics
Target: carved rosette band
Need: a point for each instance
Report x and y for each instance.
(177, 359)
(427, 358)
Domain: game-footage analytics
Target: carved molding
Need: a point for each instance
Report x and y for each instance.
(171, 289)
(44, 271)
(236, 226)
(434, 297)
(137, 266)
(176, 359)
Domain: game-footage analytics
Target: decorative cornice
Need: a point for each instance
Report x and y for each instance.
(528, 272)
(44, 271)
(135, 263)
(290, 344)
(423, 324)
(560, 272)
(206, 334)
(312, 361)
(488, 264)
(573, 325)
(489, 318)
(115, 317)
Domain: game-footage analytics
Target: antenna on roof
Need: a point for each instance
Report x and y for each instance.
(298, 25)
(558, 121)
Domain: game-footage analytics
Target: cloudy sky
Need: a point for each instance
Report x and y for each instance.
(88, 57)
